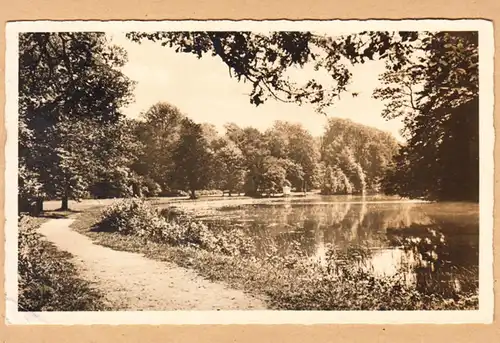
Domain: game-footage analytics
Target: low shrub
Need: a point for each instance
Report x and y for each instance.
(138, 218)
(47, 280)
(209, 192)
(129, 216)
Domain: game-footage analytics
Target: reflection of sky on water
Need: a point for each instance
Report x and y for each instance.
(389, 261)
(382, 262)
(434, 246)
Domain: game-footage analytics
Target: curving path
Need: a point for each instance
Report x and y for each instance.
(131, 281)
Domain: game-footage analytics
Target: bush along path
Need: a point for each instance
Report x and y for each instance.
(130, 281)
(47, 278)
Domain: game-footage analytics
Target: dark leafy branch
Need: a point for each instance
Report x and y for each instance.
(265, 60)
(441, 158)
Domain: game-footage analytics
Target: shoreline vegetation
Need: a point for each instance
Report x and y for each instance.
(289, 282)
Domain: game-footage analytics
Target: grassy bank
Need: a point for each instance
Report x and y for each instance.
(47, 279)
(290, 282)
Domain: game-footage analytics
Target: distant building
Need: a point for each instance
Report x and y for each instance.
(287, 190)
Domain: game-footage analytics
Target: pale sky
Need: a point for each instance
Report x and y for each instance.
(203, 90)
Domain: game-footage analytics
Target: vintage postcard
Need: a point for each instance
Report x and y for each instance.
(249, 172)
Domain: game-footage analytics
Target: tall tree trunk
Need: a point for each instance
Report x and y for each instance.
(24, 205)
(39, 205)
(64, 203)
(193, 194)
(65, 197)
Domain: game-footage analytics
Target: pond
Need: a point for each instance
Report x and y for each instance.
(434, 246)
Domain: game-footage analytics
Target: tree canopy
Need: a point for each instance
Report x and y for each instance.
(192, 159)
(357, 154)
(441, 157)
(159, 131)
(68, 83)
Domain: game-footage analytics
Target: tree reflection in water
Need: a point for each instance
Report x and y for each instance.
(430, 247)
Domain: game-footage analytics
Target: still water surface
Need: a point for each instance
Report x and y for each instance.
(434, 246)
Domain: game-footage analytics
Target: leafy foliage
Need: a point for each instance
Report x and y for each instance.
(180, 154)
(70, 73)
(159, 132)
(71, 89)
(191, 158)
(116, 150)
(297, 146)
(254, 148)
(82, 156)
(228, 166)
(335, 182)
(30, 188)
(69, 84)
(444, 119)
(356, 157)
(273, 176)
(136, 217)
(47, 281)
(69, 164)
(333, 285)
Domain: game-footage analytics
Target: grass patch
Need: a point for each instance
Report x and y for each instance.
(58, 214)
(290, 282)
(47, 279)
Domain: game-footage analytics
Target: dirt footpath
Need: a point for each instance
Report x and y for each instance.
(131, 281)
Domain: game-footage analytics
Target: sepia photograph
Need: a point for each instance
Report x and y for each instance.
(249, 172)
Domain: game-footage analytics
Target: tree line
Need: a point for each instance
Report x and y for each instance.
(179, 154)
(74, 141)
(164, 152)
